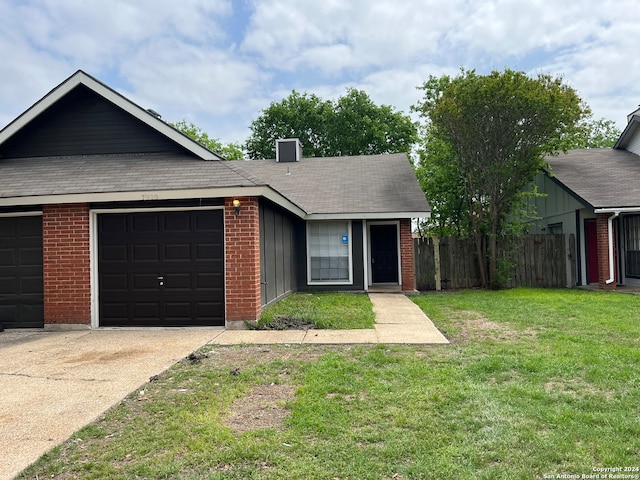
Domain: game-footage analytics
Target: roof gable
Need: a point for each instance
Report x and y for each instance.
(630, 137)
(600, 177)
(82, 116)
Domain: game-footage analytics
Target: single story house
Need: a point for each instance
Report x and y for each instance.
(111, 217)
(594, 194)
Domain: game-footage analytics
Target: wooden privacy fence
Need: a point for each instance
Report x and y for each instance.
(541, 261)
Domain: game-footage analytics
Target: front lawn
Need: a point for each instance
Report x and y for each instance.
(326, 310)
(535, 384)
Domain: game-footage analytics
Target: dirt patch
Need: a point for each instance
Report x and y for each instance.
(263, 407)
(241, 357)
(282, 322)
(476, 327)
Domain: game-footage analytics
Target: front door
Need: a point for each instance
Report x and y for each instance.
(384, 253)
(591, 235)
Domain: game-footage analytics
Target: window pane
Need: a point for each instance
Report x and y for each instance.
(328, 251)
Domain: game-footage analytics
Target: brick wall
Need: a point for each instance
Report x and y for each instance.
(406, 254)
(602, 230)
(67, 279)
(242, 271)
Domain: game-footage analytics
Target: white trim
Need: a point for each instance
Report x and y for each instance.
(35, 213)
(366, 216)
(329, 282)
(93, 248)
(81, 78)
(618, 210)
(365, 255)
(399, 251)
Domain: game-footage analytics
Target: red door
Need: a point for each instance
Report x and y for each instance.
(590, 232)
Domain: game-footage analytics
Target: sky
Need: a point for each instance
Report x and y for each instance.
(219, 63)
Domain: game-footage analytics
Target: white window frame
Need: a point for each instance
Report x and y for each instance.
(310, 281)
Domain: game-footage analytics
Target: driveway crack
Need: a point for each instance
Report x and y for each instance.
(56, 379)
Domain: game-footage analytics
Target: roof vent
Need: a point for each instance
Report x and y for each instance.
(288, 150)
(154, 113)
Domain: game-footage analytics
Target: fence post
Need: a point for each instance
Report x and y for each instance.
(436, 260)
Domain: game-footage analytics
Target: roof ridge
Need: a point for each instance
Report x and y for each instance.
(231, 164)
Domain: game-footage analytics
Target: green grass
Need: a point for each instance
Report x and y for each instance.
(325, 310)
(535, 383)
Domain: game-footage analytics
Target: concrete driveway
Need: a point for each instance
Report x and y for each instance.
(53, 383)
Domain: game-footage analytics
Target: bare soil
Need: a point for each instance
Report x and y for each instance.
(264, 407)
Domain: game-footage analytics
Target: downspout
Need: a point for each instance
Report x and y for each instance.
(611, 278)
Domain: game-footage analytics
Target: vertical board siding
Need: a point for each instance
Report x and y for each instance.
(83, 123)
(541, 261)
(277, 254)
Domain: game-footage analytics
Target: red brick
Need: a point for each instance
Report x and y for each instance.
(242, 269)
(67, 283)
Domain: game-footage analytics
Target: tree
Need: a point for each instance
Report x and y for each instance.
(594, 134)
(487, 137)
(351, 125)
(230, 151)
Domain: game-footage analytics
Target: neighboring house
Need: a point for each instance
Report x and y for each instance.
(111, 217)
(595, 195)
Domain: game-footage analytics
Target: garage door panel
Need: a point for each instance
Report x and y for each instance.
(145, 281)
(210, 251)
(177, 222)
(146, 222)
(9, 286)
(210, 280)
(31, 257)
(114, 253)
(177, 252)
(146, 310)
(114, 282)
(184, 248)
(7, 257)
(145, 253)
(31, 285)
(21, 278)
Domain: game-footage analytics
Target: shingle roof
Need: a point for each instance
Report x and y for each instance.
(358, 185)
(345, 185)
(603, 177)
(113, 173)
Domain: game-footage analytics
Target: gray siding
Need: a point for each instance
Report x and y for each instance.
(557, 206)
(277, 252)
(83, 123)
(634, 145)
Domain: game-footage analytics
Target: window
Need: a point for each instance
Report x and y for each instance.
(329, 252)
(632, 236)
(554, 228)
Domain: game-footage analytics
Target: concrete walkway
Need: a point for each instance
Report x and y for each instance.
(53, 383)
(398, 320)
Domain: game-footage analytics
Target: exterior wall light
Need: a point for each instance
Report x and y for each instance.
(236, 206)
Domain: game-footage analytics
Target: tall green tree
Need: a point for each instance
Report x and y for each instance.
(230, 151)
(351, 125)
(487, 138)
(592, 133)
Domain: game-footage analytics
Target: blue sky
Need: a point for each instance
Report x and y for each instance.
(218, 63)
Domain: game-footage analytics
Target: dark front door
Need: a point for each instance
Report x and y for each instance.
(161, 268)
(592, 250)
(21, 285)
(384, 253)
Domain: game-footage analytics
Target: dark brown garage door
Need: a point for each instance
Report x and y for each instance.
(21, 286)
(161, 268)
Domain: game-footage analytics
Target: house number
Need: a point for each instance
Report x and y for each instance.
(149, 197)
